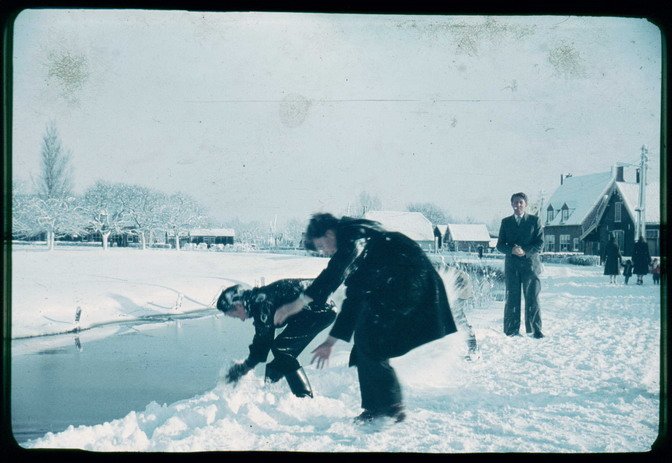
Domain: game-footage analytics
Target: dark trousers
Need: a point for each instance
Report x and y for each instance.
(521, 281)
(301, 329)
(378, 383)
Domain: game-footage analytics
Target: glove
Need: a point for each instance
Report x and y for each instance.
(237, 371)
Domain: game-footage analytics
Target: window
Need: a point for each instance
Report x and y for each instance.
(564, 243)
(550, 243)
(576, 245)
(618, 211)
(549, 214)
(565, 214)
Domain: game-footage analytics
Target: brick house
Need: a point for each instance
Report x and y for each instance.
(585, 209)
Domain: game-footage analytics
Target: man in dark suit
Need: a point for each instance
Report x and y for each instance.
(521, 239)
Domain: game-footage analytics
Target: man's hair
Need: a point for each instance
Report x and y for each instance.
(520, 195)
(318, 226)
(229, 296)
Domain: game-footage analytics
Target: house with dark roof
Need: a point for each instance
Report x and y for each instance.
(585, 210)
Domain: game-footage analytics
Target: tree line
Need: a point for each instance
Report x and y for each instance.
(51, 208)
(106, 209)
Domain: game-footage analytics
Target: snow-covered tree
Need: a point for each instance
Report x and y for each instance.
(24, 220)
(58, 217)
(434, 213)
(253, 232)
(105, 208)
(367, 202)
(493, 225)
(144, 211)
(293, 231)
(536, 205)
(54, 208)
(179, 214)
(55, 180)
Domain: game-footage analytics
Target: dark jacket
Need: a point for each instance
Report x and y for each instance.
(394, 301)
(529, 235)
(262, 303)
(641, 259)
(612, 259)
(627, 268)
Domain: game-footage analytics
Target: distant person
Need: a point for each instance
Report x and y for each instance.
(655, 271)
(612, 259)
(521, 239)
(480, 251)
(394, 301)
(627, 270)
(260, 304)
(641, 259)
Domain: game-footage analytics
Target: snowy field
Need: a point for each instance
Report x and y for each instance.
(592, 385)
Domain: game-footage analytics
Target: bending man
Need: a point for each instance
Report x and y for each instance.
(261, 304)
(394, 301)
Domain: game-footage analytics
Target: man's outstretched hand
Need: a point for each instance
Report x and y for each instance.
(323, 352)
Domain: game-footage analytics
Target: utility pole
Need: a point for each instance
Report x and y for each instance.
(641, 209)
(640, 226)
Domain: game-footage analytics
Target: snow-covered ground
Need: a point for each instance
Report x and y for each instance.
(592, 385)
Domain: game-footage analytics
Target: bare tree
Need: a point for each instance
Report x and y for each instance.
(294, 229)
(366, 203)
(179, 214)
(144, 206)
(55, 180)
(24, 220)
(54, 208)
(434, 213)
(493, 225)
(252, 232)
(537, 204)
(105, 206)
(58, 217)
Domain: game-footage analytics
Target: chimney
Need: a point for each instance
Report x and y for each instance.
(619, 173)
(561, 177)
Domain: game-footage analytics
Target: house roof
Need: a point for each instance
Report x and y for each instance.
(581, 194)
(468, 232)
(442, 229)
(212, 232)
(412, 224)
(630, 194)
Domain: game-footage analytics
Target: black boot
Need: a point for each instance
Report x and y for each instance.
(273, 375)
(298, 383)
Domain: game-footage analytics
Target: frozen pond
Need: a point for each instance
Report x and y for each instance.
(75, 382)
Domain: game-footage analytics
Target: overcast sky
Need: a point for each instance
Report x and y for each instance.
(260, 115)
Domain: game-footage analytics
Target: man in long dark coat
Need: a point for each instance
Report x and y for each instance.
(394, 301)
(521, 239)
